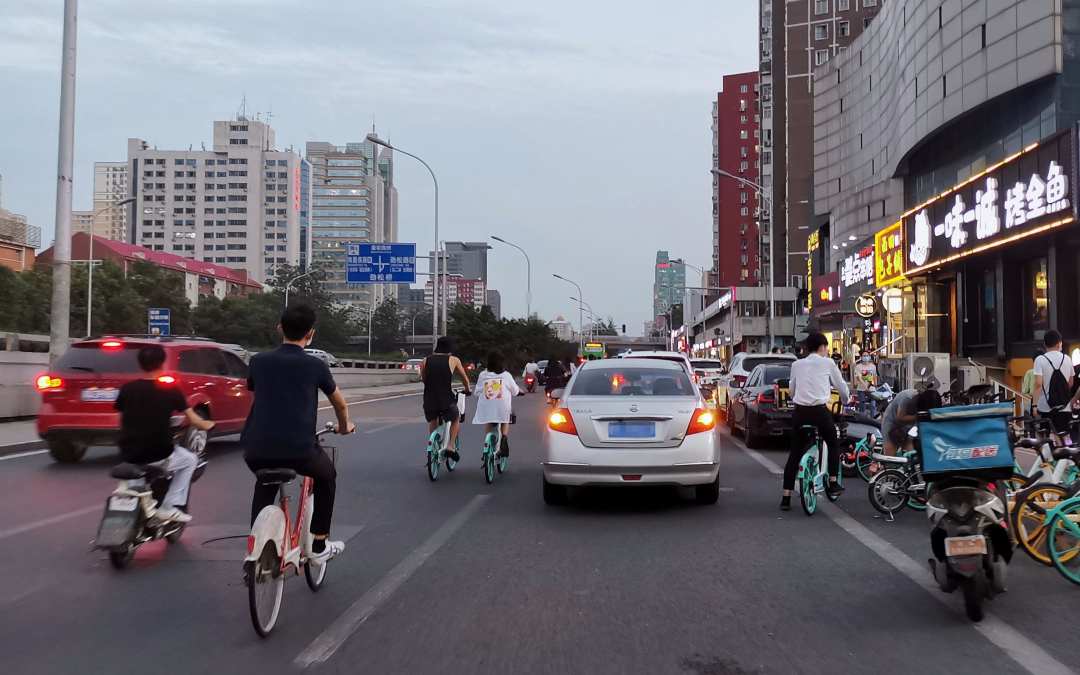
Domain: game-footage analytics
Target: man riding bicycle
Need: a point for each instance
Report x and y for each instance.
(280, 431)
(437, 373)
(812, 381)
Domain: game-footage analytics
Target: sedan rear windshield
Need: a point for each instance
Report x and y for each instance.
(93, 358)
(753, 362)
(632, 382)
(774, 374)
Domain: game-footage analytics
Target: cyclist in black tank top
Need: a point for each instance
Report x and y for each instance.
(437, 373)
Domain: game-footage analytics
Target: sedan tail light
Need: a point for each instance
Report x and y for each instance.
(765, 398)
(561, 420)
(703, 420)
(48, 382)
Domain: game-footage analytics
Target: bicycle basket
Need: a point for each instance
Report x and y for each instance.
(969, 440)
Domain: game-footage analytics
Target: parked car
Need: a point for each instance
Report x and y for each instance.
(631, 422)
(412, 364)
(707, 374)
(326, 357)
(78, 394)
(739, 369)
(760, 407)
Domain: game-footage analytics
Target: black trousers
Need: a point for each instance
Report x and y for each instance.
(324, 479)
(819, 417)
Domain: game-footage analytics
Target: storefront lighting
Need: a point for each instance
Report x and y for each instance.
(990, 245)
(1076, 355)
(851, 237)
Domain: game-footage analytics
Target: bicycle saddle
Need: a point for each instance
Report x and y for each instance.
(275, 476)
(1072, 453)
(128, 471)
(1030, 443)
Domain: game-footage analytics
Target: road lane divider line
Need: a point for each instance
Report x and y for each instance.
(4, 534)
(375, 400)
(330, 640)
(1029, 655)
(18, 455)
(391, 425)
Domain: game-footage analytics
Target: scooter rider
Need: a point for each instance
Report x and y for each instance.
(812, 381)
(437, 373)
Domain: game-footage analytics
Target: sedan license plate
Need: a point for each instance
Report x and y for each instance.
(123, 503)
(957, 546)
(108, 395)
(632, 429)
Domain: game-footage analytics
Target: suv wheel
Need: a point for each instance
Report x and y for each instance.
(67, 451)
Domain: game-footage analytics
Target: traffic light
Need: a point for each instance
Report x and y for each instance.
(624, 329)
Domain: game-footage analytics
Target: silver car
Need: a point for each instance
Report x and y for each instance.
(631, 422)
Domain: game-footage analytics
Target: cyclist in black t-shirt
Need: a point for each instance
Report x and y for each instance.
(146, 406)
(280, 431)
(437, 373)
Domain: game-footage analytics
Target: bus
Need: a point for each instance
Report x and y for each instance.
(593, 350)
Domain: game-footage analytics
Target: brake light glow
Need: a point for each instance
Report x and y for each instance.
(166, 379)
(702, 421)
(561, 420)
(47, 382)
(765, 397)
(111, 344)
(250, 544)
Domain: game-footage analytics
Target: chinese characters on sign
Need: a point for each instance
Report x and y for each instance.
(889, 255)
(858, 267)
(1006, 201)
(380, 263)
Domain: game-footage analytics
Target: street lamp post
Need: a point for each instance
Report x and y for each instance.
(772, 281)
(435, 277)
(591, 312)
(370, 317)
(701, 271)
(528, 275)
(290, 282)
(90, 260)
(581, 309)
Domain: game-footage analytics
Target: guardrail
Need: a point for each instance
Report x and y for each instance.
(371, 365)
(24, 342)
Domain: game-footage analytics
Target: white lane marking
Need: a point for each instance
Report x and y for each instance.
(1026, 653)
(4, 534)
(384, 427)
(17, 455)
(328, 642)
(376, 400)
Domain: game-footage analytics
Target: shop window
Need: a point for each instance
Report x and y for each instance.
(981, 326)
(1036, 304)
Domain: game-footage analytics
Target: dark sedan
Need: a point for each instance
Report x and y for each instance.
(760, 407)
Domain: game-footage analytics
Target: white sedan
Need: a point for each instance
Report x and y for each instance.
(631, 422)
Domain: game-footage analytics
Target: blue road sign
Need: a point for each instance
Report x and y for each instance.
(380, 263)
(158, 320)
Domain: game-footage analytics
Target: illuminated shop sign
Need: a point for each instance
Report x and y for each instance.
(826, 290)
(889, 255)
(857, 268)
(1027, 193)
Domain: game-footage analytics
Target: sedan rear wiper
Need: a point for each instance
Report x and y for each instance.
(87, 369)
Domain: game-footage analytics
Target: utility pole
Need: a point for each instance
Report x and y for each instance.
(60, 315)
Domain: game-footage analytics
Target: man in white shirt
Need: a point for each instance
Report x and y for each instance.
(812, 381)
(1051, 398)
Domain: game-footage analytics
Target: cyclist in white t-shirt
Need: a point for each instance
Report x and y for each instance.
(1051, 399)
(495, 391)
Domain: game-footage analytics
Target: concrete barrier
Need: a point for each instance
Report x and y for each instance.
(18, 397)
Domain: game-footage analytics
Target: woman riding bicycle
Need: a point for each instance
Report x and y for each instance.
(496, 390)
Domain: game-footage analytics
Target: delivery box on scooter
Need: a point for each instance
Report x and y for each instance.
(969, 440)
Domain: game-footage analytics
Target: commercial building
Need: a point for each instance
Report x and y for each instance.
(562, 328)
(239, 204)
(797, 36)
(18, 241)
(465, 258)
(459, 291)
(354, 201)
(738, 321)
(110, 187)
(82, 221)
(494, 301)
(735, 128)
(201, 279)
(960, 169)
(669, 285)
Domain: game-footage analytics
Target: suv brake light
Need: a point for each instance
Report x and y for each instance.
(49, 383)
(561, 420)
(166, 379)
(703, 420)
(112, 344)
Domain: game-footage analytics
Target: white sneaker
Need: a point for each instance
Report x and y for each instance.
(172, 514)
(332, 549)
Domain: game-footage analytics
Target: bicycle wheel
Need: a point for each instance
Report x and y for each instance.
(1063, 541)
(315, 575)
(451, 463)
(265, 584)
(1029, 519)
(434, 444)
(863, 460)
(807, 490)
(888, 491)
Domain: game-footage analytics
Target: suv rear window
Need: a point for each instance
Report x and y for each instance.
(632, 382)
(773, 374)
(92, 358)
(706, 365)
(751, 362)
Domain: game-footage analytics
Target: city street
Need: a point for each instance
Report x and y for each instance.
(463, 577)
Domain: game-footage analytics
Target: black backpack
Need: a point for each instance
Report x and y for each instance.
(1057, 391)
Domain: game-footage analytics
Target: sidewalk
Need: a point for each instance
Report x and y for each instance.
(21, 436)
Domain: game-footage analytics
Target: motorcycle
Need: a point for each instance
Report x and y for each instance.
(129, 520)
(964, 467)
(530, 383)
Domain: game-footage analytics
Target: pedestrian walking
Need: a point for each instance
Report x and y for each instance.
(865, 379)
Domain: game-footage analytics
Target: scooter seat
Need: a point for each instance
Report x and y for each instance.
(1029, 443)
(889, 459)
(275, 476)
(128, 471)
(1067, 453)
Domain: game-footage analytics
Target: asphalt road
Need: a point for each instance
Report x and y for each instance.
(462, 577)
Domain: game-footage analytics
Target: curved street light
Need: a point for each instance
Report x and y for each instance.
(290, 282)
(581, 310)
(90, 259)
(528, 275)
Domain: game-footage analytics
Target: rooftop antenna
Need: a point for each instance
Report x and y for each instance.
(203, 146)
(242, 114)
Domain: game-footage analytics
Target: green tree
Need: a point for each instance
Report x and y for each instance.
(386, 327)
(606, 327)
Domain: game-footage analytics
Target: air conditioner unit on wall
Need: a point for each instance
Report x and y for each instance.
(924, 370)
(969, 375)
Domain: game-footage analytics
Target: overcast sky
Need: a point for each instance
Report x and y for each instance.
(578, 129)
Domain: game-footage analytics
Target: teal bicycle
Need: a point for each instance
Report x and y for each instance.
(1062, 524)
(813, 476)
(490, 459)
(439, 443)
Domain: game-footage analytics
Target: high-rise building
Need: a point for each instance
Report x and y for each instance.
(353, 201)
(467, 258)
(494, 301)
(736, 245)
(669, 284)
(82, 221)
(238, 204)
(110, 186)
(18, 241)
(459, 291)
(796, 37)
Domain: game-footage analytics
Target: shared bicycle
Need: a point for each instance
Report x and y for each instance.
(438, 444)
(813, 476)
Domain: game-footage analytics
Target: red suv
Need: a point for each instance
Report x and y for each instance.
(77, 395)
